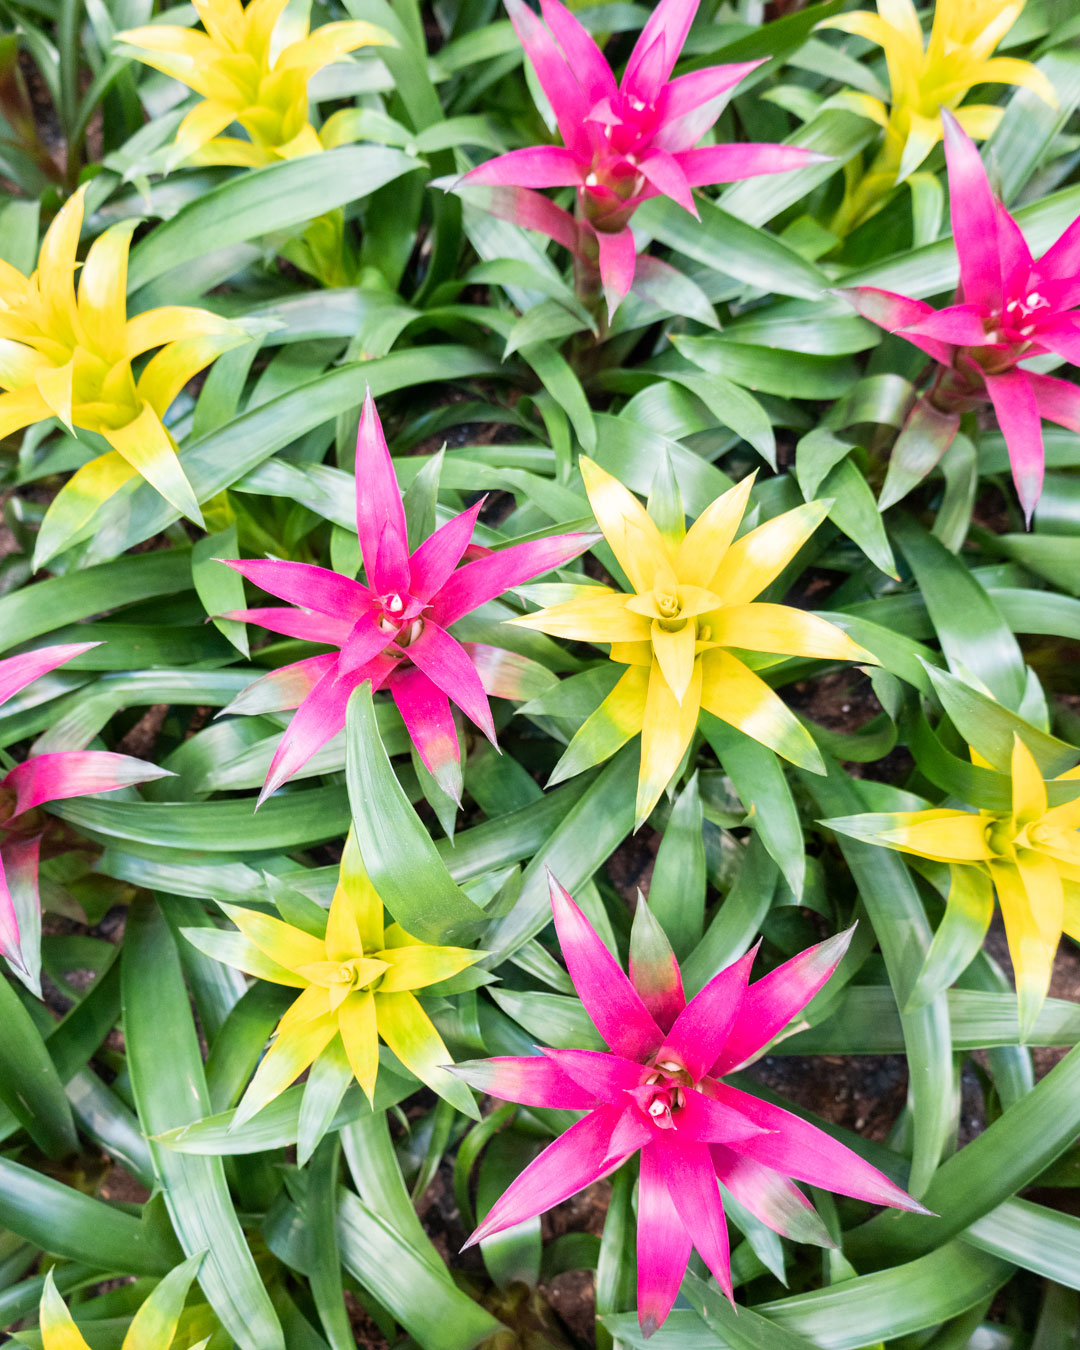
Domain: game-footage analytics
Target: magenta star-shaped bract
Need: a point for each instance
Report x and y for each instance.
(660, 1091)
(625, 141)
(1009, 307)
(391, 631)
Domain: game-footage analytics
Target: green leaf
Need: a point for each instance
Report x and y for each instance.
(219, 587)
(30, 1086)
(677, 888)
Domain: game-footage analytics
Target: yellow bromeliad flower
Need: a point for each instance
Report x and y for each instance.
(358, 982)
(243, 77)
(69, 356)
(687, 631)
(1030, 856)
(152, 1328)
(924, 79)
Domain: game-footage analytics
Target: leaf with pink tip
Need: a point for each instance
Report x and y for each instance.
(1018, 417)
(1016, 260)
(663, 1244)
(612, 1002)
(665, 172)
(960, 325)
(1061, 335)
(772, 1002)
(702, 1027)
(366, 639)
(1061, 261)
(380, 515)
(532, 211)
(895, 312)
(692, 93)
(281, 689)
(773, 1199)
(1058, 400)
(654, 971)
(425, 710)
(440, 553)
(797, 1149)
(974, 218)
(669, 24)
(477, 582)
(529, 1080)
(75, 773)
(506, 674)
(16, 672)
(305, 585)
(707, 1121)
(317, 720)
(583, 56)
(710, 164)
(687, 1170)
(446, 663)
(575, 1160)
(533, 166)
(297, 623)
(618, 259)
(20, 909)
(610, 1076)
(556, 78)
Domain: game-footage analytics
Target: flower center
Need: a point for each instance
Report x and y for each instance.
(1000, 837)
(393, 611)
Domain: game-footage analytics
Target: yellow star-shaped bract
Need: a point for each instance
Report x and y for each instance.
(70, 356)
(358, 982)
(926, 76)
(152, 1327)
(680, 632)
(1029, 855)
(245, 76)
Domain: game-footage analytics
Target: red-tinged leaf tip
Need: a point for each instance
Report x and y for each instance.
(649, 1326)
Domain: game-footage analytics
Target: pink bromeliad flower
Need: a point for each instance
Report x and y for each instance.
(37, 781)
(393, 631)
(1009, 307)
(660, 1092)
(623, 142)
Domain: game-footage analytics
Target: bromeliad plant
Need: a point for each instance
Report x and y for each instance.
(690, 630)
(392, 631)
(659, 1091)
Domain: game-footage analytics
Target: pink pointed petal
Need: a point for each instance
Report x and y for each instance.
(568, 103)
(438, 555)
(728, 163)
(317, 720)
(575, 1160)
(654, 970)
(446, 663)
(1058, 400)
(529, 1080)
(797, 1149)
(708, 1121)
(9, 921)
(665, 173)
(618, 258)
(974, 218)
(770, 1197)
(610, 1076)
(632, 1132)
(610, 999)
(702, 1027)
(478, 582)
(19, 895)
(1061, 335)
(281, 689)
(1018, 417)
(772, 1002)
(669, 21)
(297, 623)
(305, 585)
(533, 166)
(380, 516)
(425, 710)
(365, 641)
(582, 54)
(687, 1170)
(663, 1244)
(74, 773)
(1062, 259)
(896, 312)
(961, 325)
(532, 211)
(689, 92)
(16, 672)
(1016, 260)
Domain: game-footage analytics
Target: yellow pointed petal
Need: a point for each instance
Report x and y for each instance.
(355, 924)
(295, 1049)
(235, 950)
(979, 120)
(785, 631)
(171, 323)
(150, 450)
(230, 150)
(617, 719)
(19, 365)
(1028, 788)
(324, 973)
(360, 1036)
(409, 1032)
(166, 373)
(103, 290)
(901, 15)
(1070, 920)
(58, 1329)
(737, 696)
(205, 121)
(666, 731)
(54, 384)
(154, 1325)
(708, 539)
(418, 965)
(21, 409)
(625, 524)
(1032, 956)
(675, 656)
(1009, 70)
(281, 942)
(329, 44)
(861, 23)
(56, 261)
(759, 557)
(947, 836)
(603, 617)
(923, 134)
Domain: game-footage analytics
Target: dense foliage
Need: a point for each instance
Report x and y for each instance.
(629, 890)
